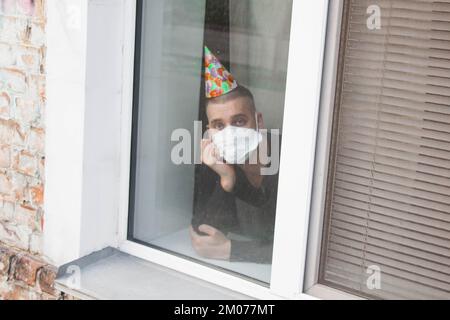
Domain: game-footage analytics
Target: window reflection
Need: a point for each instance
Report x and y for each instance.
(211, 92)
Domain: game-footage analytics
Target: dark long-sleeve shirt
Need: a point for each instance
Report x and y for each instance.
(247, 211)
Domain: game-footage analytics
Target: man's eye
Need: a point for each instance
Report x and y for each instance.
(240, 122)
(219, 126)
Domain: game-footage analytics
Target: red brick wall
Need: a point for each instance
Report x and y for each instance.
(23, 273)
(26, 277)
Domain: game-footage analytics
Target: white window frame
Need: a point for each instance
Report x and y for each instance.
(95, 74)
(299, 128)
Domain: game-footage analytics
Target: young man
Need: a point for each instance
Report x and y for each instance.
(243, 200)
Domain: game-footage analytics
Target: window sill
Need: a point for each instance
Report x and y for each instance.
(113, 275)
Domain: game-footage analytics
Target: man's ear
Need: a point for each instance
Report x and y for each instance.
(260, 120)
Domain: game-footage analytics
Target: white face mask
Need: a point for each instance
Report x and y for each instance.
(235, 144)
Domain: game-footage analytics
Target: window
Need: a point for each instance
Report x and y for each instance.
(179, 202)
(387, 206)
(101, 188)
(394, 188)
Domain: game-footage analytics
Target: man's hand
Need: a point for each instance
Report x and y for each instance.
(210, 157)
(215, 245)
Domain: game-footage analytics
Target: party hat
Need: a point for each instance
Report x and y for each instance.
(218, 80)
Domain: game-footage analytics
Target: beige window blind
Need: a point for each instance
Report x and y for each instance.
(388, 200)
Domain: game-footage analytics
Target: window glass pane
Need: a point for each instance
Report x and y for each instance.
(208, 116)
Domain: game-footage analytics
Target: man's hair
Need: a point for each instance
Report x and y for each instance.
(239, 92)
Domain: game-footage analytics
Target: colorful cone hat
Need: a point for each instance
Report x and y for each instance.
(218, 80)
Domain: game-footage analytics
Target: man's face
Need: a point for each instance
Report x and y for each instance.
(235, 112)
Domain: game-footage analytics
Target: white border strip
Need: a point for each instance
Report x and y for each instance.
(306, 58)
(127, 116)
